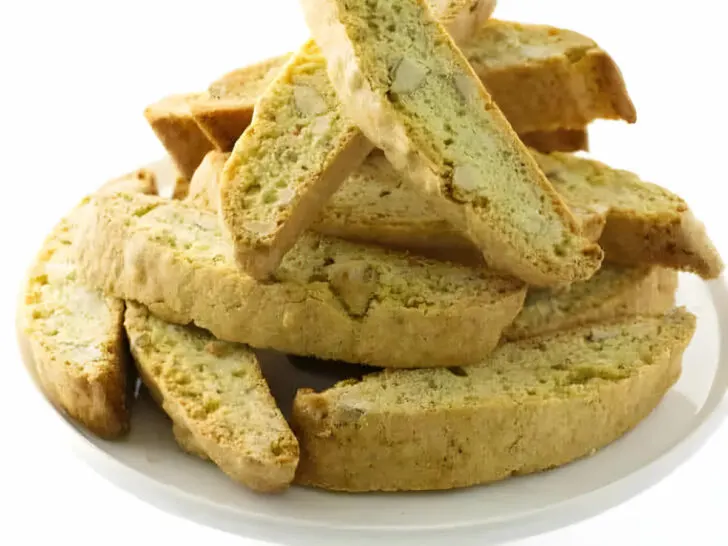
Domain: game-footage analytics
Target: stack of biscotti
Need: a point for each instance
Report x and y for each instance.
(550, 83)
(393, 201)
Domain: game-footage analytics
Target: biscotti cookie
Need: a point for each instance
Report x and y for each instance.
(375, 205)
(613, 292)
(215, 391)
(412, 93)
(298, 151)
(75, 334)
(527, 69)
(226, 109)
(645, 224)
(462, 18)
(330, 299)
(204, 187)
(533, 405)
(545, 78)
(562, 140)
(173, 123)
(187, 442)
(295, 154)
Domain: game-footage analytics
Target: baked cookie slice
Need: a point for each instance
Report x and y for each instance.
(462, 18)
(217, 397)
(76, 334)
(533, 405)
(330, 298)
(613, 292)
(296, 153)
(413, 94)
(204, 189)
(550, 83)
(172, 121)
(226, 109)
(644, 223)
(545, 78)
(287, 163)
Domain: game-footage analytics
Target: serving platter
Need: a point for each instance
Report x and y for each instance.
(149, 464)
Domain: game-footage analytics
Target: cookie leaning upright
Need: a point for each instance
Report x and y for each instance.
(76, 334)
(294, 155)
(400, 77)
(215, 392)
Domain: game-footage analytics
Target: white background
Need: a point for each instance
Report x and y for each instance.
(75, 77)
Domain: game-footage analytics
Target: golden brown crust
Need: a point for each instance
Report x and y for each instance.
(678, 241)
(522, 411)
(97, 401)
(561, 140)
(613, 292)
(298, 150)
(330, 299)
(187, 442)
(583, 85)
(226, 109)
(542, 243)
(538, 95)
(645, 224)
(75, 334)
(216, 396)
(173, 123)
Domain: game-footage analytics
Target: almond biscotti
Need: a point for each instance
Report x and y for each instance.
(75, 334)
(375, 205)
(613, 292)
(546, 79)
(204, 187)
(330, 299)
(286, 165)
(172, 121)
(226, 109)
(399, 76)
(645, 224)
(527, 69)
(297, 152)
(215, 393)
(533, 405)
(462, 18)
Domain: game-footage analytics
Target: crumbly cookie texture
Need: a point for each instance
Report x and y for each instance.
(613, 292)
(533, 405)
(216, 395)
(550, 83)
(204, 189)
(226, 108)
(330, 298)
(375, 205)
(172, 121)
(297, 151)
(75, 334)
(295, 154)
(413, 94)
(645, 224)
(546, 79)
(462, 18)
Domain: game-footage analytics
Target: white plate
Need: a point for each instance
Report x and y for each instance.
(149, 465)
